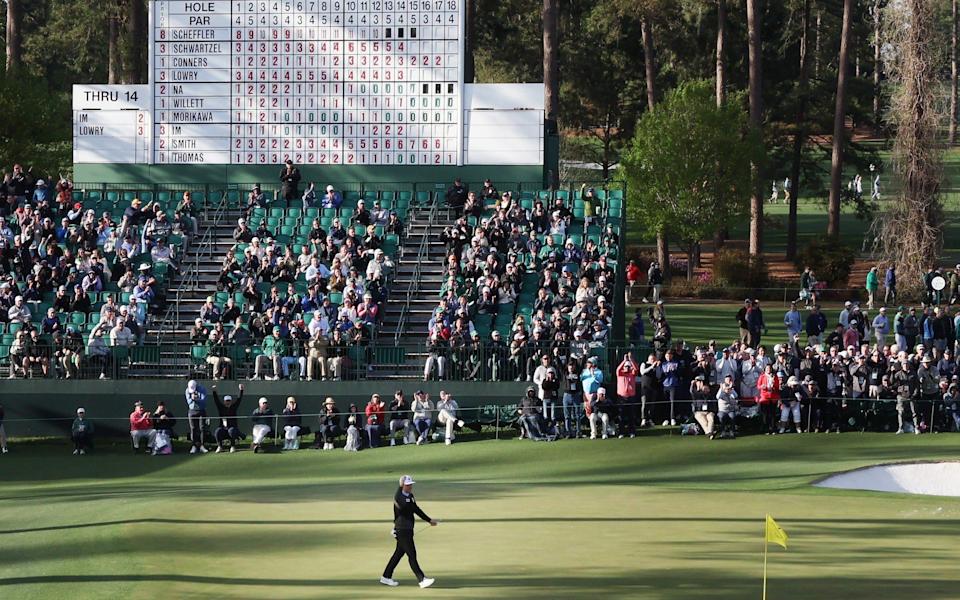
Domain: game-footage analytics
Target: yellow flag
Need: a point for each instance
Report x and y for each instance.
(774, 533)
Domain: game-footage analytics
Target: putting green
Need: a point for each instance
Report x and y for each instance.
(659, 516)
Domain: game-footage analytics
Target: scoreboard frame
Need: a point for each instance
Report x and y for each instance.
(455, 151)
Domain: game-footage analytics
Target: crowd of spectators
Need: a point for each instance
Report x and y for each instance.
(74, 284)
(522, 281)
(302, 302)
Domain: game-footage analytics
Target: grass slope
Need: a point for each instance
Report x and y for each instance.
(655, 517)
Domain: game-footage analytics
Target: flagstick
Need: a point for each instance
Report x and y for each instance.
(765, 562)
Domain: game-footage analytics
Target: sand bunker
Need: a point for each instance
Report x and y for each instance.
(931, 479)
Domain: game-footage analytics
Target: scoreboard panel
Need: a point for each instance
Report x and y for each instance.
(319, 82)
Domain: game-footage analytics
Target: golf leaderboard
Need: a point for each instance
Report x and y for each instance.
(318, 82)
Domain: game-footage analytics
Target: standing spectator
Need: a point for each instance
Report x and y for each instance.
(262, 419)
(881, 327)
(141, 427)
(793, 322)
(196, 398)
(81, 432)
(228, 429)
(654, 283)
(816, 325)
(456, 195)
(447, 410)
(633, 279)
(289, 181)
(669, 374)
(905, 383)
(890, 285)
(627, 374)
(422, 415)
(768, 396)
(872, 285)
(742, 322)
(572, 402)
(756, 324)
(292, 423)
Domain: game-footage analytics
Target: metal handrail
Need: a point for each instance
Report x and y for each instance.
(191, 281)
(414, 287)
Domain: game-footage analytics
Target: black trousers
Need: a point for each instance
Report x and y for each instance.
(406, 546)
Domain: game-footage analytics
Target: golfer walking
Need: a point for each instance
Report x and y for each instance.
(404, 509)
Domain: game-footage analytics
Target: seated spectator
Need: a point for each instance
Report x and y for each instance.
(19, 312)
(703, 405)
(332, 199)
(141, 427)
(376, 415)
(38, 354)
(329, 420)
(121, 336)
(262, 420)
(292, 424)
(447, 416)
(81, 432)
(275, 349)
(530, 417)
(217, 356)
(422, 409)
(228, 430)
(400, 421)
(596, 408)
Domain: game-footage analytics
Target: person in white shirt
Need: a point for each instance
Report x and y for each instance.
(727, 407)
(447, 415)
(121, 336)
(725, 365)
(19, 312)
(749, 374)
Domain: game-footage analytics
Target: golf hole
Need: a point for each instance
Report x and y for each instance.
(927, 478)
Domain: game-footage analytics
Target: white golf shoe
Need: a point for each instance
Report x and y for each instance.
(388, 581)
(427, 582)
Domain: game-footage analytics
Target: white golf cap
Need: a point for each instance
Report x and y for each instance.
(192, 385)
(407, 480)
(329, 188)
(81, 411)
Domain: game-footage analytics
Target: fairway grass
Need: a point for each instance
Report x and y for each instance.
(659, 516)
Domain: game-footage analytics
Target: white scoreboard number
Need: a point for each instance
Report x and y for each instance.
(319, 82)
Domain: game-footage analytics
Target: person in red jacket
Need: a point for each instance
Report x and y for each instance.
(627, 374)
(141, 427)
(768, 396)
(376, 414)
(633, 278)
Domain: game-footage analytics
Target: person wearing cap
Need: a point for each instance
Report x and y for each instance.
(703, 405)
(262, 419)
(289, 181)
(274, 348)
(375, 412)
(422, 409)
(793, 322)
(447, 415)
(228, 429)
(196, 399)
(399, 419)
(81, 432)
(141, 427)
(907, 388)
(292, 425)
(405, 508)
(881, 327)
(872, 285)
(628, 373)
(332, 198)
(792, 398)
(890, 285)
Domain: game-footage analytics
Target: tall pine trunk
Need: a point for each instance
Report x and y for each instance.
(551, 62)
(113, 49)
(877, 62)
(646, 32)
(800, 131)
(756, 118)
(721, 56)
(469, 64)
(953, 74)
(135, 32)
(720, 235)
(14, 35)
(839, 124)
